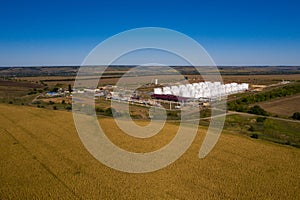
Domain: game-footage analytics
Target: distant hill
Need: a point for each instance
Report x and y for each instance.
(185, 70)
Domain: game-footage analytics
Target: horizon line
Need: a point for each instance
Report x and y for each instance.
(130, 65)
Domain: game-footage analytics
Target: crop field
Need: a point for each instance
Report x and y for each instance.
(11, 92)
(15, 89)
(253, 79)
(283, 106)
(64, 81)
(42, 157)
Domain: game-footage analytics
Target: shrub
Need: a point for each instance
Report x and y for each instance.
(296, 116)
(55, 89)
(257, 110)
(99, 109)
(70, 88)
(254, 135)
(54, 108)
(36, 102)
(109, 111)
(31, 92)
(251, 128)
(68, 107)
(260, 119)
(172, 115)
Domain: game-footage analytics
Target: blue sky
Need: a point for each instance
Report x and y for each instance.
(233, 32)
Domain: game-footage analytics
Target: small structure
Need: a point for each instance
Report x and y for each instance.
(53, 94)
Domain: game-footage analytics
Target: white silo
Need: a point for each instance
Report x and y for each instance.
(157, 91)
(167, 90)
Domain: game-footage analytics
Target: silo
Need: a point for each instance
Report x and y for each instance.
(157, 91)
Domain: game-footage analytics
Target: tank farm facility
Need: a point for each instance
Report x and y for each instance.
(173, 96)
(204, 91)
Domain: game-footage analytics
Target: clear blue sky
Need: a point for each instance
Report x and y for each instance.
(233, 32)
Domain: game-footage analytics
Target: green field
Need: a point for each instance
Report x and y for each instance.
(271, 129)
(43, 158)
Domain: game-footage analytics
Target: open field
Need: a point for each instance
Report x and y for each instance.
(64, 81)
(283, 106)
(254, 79)
(11, 92)
(15, 89)
(42, 157)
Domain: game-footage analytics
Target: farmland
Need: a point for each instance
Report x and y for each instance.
(283, 106)
(10, 89)
(66, 75)
(42, 157)
(254, 79)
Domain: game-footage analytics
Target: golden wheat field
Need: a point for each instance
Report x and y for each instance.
(42, 158)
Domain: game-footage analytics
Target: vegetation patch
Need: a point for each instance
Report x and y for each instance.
(274, 130)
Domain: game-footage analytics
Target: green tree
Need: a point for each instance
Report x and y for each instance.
(254, 135)
(55, 89)
(260, 119)
(69, 88)
(257, 110)
(68, 107)
(296, 116)
(98, 109)
(251, 128)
